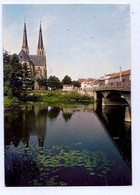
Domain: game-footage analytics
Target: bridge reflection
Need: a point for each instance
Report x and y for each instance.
(112, 119)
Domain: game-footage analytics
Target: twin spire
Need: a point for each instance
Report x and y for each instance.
(25, 43)
(40, 48)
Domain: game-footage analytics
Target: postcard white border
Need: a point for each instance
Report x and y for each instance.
(135, 65)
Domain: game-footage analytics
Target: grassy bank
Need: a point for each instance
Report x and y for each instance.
(50, 97)
(59, 97)
(10, 102)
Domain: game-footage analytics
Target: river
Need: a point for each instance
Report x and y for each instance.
(76, 145)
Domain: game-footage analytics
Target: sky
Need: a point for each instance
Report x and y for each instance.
(82, 41)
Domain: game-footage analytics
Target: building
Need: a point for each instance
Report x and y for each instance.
(36, 64)
(67, 88)
(88, 84)
(104, 80)
(120, 79)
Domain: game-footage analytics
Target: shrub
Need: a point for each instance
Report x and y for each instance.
(10, 102)
(7, 91)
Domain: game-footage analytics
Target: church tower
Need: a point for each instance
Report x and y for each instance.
(25, 42)
(40, 49)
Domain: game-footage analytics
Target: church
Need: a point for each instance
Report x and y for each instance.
(36, 64)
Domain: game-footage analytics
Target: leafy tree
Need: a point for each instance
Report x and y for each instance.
(76, 84)
(66, 80)
(42, 81)
(7, 68)
(16, 76)
(54, 82)
(27, 81)
(13, 73)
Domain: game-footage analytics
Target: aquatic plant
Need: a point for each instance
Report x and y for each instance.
(48, 164)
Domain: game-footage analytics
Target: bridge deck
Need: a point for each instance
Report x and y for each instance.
(128, 89)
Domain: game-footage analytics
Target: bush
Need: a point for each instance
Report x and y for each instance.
(71, 97)
(34, 98)
(7, 91)
(58, 97)
(10, 102)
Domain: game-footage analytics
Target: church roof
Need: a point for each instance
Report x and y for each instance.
(23, 56)
(38, 60)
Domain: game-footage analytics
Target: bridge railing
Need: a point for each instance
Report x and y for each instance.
(125, 87)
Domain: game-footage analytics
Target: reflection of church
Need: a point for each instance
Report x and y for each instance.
(38, 126)
(32, 122)
(36, 64)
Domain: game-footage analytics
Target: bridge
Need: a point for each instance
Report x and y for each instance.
(114, 96)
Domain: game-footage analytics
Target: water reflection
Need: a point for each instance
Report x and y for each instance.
(67, 113)
(112, 118)
(53, 112)
(30, 121)
(82, 129)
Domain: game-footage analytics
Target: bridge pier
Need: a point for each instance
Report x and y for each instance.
(95, 96)
(127, 114)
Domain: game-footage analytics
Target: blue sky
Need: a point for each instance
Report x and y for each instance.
(80, 40)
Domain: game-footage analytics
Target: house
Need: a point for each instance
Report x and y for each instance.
(88, 84)
(120, 79)
(104, 80)
(67, 88)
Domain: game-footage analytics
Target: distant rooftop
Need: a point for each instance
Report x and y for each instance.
(123, 73)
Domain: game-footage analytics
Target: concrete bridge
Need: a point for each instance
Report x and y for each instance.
(108, 96)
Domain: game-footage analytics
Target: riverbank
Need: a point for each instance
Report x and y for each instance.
(10, 102)
(59, 97)
(50, 97)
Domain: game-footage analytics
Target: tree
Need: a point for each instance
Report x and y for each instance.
(66, 80)
(13, 73)
(42, 81)
(54, 82)
(28, 82)
(76, 84)
(7, 69)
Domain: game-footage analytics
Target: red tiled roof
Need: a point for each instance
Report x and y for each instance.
(123, 73)
(86, 80)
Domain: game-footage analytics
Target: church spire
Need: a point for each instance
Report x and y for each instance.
(40, 49)
(25, 42)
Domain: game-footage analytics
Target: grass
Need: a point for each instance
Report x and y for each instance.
(59, 97)
(51, 97)
(10, 102)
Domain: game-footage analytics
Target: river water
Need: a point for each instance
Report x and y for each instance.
(79, 145)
